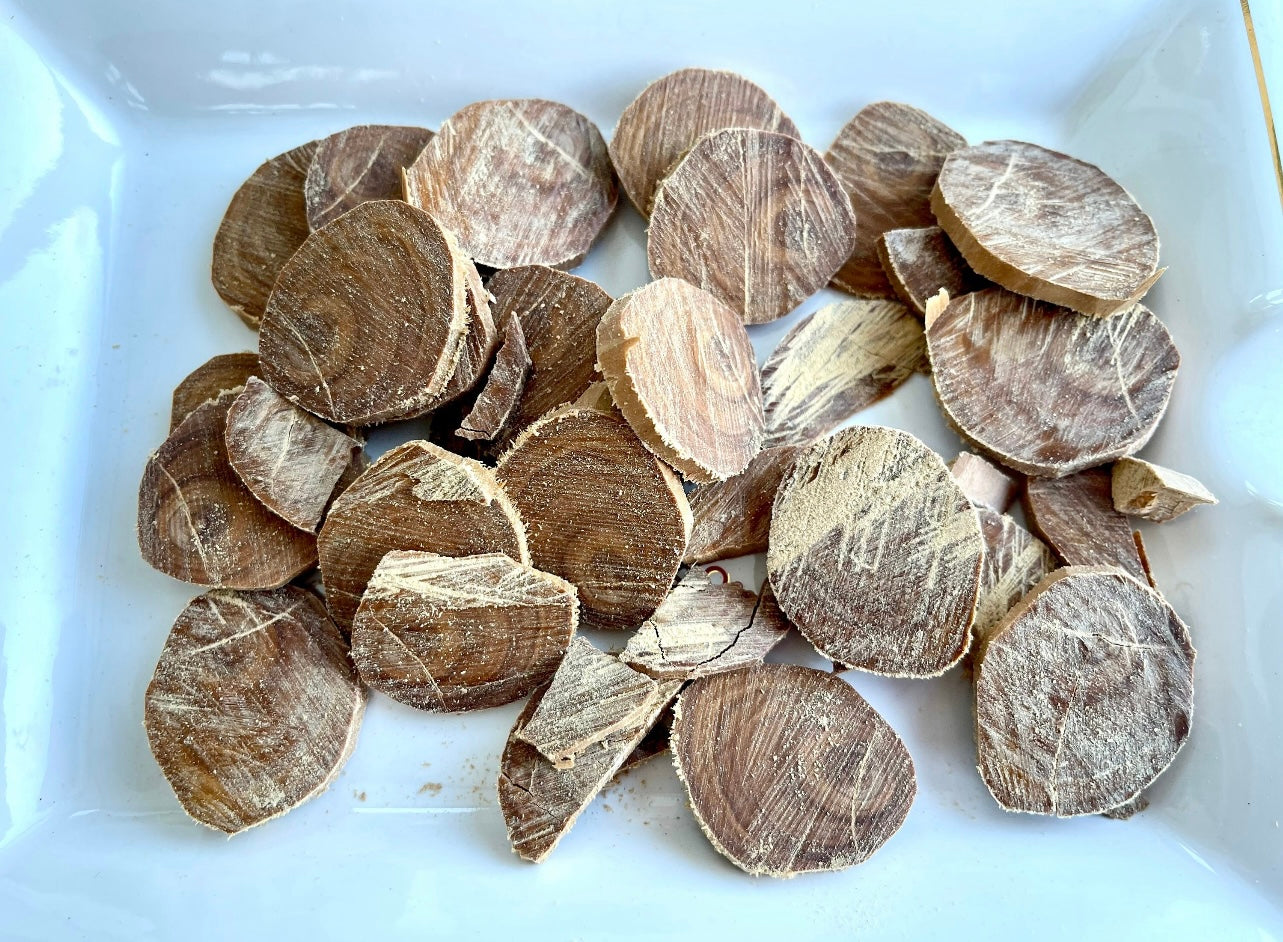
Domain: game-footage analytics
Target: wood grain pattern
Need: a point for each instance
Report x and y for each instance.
(480, 342)
(1144, 489)
(357, 165)
(503, 387)
(1075, 515)
(1015, 561)
(919, 262)
(984, 484)
(733, 517)
(209, 380)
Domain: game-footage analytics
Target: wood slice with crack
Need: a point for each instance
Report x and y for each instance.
(754, 217)
(984, 484)
(1143, 489)
(254, 705)
(503, 387)
(919, 262)
(733, 517)
(1075, 515)
(1014, 562)
(209, 380)
(357, 165)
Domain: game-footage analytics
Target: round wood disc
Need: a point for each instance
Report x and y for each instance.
(254, 706)
(1084, 694)
(789, 770)
(682, 370)
(213, 377)
(754, 217)
(1044, 224)
(875, 553)
(1046, 391)
(357, 165)
(672, 113)
(519, 181)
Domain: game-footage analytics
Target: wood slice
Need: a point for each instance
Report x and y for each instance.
(672, 113)
(841, 359)
(1143, 489)
(503, 387)
(985, 485)
(1046, 225)
(519, 181)
(733, 517)
(481, 341)
(199, 523)
(263, 227)
(682, 370)
(254, 706)
(875, 553)
(887, 158)
(754, 217)
(601, 511)
(1015, 561)
(919, 262)
(367, 321)
(789, 770)
(209, 380)
(1046, 391)
(1084, 694)
(455, 634)
(360, 164)
(415, 497)
(1076, 517)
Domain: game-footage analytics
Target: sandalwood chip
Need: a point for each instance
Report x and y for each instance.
(1084, 694)
(360, 164)
(480, 342)
(503, 387)
(1014, 562)
(919, 262)
(754, 217)
(209, 380)
(733, 517)
(1143, 489)
(985, 485)
(1076, 517)
(789, 770)
(254, 705)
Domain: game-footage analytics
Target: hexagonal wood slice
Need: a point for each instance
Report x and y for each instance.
(733, 517)
(1143, 489)
(1014, 562)
(1076, 517)
(503, 387)
(357, 165)
(209, 380)
(919, 262)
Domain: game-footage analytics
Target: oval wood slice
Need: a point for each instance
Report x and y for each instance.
(681, 368)
(1041, 223)
(754, 217)
(1144, 489)
(208, 381)
(1046, 391)
(875, 553)
(789, 770)
(672, 113)
(1015, 562)
(1084, 694)
(357, 165)
(919, 262)
(519, 181)
(254, 705)
(733, 517)
(502, 391)
(1076, 516)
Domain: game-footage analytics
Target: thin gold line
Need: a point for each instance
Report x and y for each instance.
(1265, 96)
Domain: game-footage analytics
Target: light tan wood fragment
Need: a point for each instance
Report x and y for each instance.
(1144, 489)
(1014, 562)
(919, 263)
(209, 380)
(934, 307)
(503, 387)
(984, 484)
(357, 165)
(1077, 519)
(733, 517)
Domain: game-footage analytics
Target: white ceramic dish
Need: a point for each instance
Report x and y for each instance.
(125, 128)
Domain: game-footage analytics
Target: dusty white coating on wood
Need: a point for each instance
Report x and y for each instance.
(733, 517)
(1015, 561)
(984, 484)
(1144, 489)
(359, 164)
(1077, 519)
(919, 263)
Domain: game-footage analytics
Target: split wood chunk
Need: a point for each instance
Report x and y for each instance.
(1076, 517)
(360, 164)
(519, 181)
(415, 497)
(919, 262)
(198, 522)
(479, 344)
(1046, 391)
(733, 517)
(367, 321)
(455, 634)
(210, 380)
(875, 553)
(789, 770)
(704, 628)
(503, 388)
(887, 158)
(755, 218)
(263, 227)
(985, 485)
(254, 706)
(843, 358)
(1143, 489)
(673, 113)
(682, 370)
(1084, 694)
(288, 458)
(654, 743)
(1041, 223)
(1014, 562)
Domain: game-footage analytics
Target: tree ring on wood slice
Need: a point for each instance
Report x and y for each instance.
(1047, 391)
(1047, 225)
(875, 553)
(789, 770)
(733, 517)
(754, 217)
(357, 165)
(208, 381)
(1084, 694)
(254, 705)
(919, 262)
(1077, 519)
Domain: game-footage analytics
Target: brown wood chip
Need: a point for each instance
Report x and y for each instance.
(1043, 224)
(254, 706)
(984, 484)
(480, 343)
(209, 380)
(1143, 489)
(1014, 562)
(919, 262)
(733, 517)
(789, 770)
(1084, 694)
(654, 743)
(360, 164)
(1076, 517)
(503, 387)
(875, 553)
(754, 217)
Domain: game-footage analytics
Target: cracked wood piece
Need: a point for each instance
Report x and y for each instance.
(199, 523)
(502, 390)
(1046, 391)
(263, 227)
(1084, 694)
(479, 344)
(454, 634)
(289, 459)
(755, 218)
(254, 705)
(210, 380)
(733, 517)
(1014, 562)
(681, 369)
(919, 262)
(887, 158)
(1047, 225)
(416, 497)
(654, 743)
(357, 165)
(520, 182)
(789, 770)
(984, 484)
(1143, 489)
(839, 360)
(875, 553)
(367, 321)
(1077, 519)
(673, 113)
